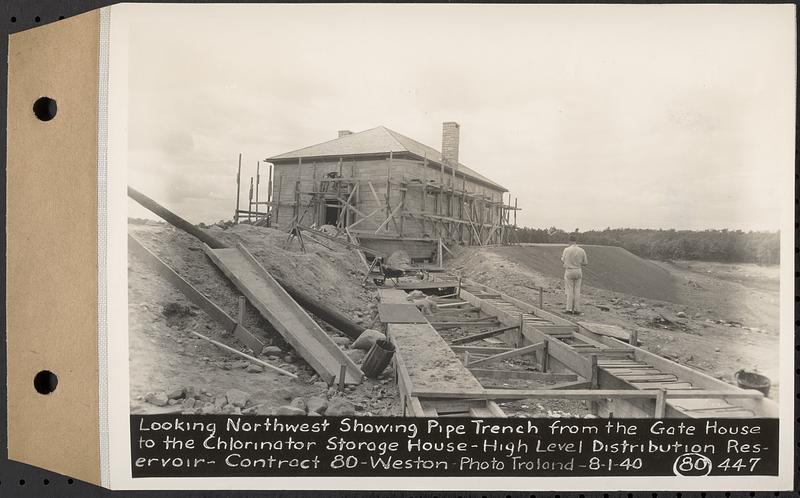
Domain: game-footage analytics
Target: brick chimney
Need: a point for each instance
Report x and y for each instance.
(343, 133)
(450, 131)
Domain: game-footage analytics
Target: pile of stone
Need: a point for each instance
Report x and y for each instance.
(316, 406)
(192, 401)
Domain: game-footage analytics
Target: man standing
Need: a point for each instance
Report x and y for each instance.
(574, 258)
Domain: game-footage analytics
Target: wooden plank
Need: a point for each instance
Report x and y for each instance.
(415, 407)
(707, 394)
(395, 296)
(648, 378)
(606, 330)
(400, 313)
(195, 296)
(661, 404)
(522, 374)
(581, 383)
(510, 354)
(288, 318)
(482, 335)
(454, 305)
(562, 353)
(450, 325)
(495, 410)
(488, 350)
(558, 350)
(576, 394)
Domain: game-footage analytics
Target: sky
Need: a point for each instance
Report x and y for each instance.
(593, 116)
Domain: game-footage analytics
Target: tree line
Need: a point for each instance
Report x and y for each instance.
(727, 246)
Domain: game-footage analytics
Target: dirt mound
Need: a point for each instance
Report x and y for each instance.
(611, 268)
(165, 357)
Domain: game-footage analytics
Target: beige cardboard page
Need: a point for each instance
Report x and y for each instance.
(52, 247)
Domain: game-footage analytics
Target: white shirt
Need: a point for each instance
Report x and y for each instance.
(574, 257)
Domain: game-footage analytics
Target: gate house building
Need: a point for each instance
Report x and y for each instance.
(383, 186)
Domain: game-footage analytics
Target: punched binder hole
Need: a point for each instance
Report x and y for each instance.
(45, 382)
(45, 108)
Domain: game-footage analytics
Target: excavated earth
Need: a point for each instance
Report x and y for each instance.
(171, 370)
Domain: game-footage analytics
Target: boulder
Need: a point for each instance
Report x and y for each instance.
(316, 404)
(340, 407)
(157, 398)
(357, 355)
(176, 393)
(299, 403)
(367, 339)
(255, 368)
(289, 410)
(341, 341)
(237, 398)
(271, 350)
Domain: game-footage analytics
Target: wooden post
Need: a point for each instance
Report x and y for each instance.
(515, 213)
(541, 298)
(258, 181)
(342, 375)
(466, 358)
(440, 252)
(240, 315)
(661, 403)
(250, 199)
(269, 196)
(458, 289)
(278, 201)
(593, 407)
(634, 338)
(238, 188)
(545, 357)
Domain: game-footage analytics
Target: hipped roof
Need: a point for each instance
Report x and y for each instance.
(379, 140)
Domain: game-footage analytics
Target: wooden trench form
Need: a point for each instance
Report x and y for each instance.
(616, 378)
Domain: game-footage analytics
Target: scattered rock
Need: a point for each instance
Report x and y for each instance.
(254, 368)
(289, 410)
(341, 341)
(271, 350)
(188, 403)
(680, 314)
(237, 398)
(316, 404)
(299, 403)
(176, 393)
(289, 358)
(367, 339)
(340, 407)
(157, 398)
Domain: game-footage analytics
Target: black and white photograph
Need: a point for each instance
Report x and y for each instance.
(576, 213)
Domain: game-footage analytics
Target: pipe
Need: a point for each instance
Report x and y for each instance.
(330, 316)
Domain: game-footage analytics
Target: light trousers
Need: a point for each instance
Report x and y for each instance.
(572, 285)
